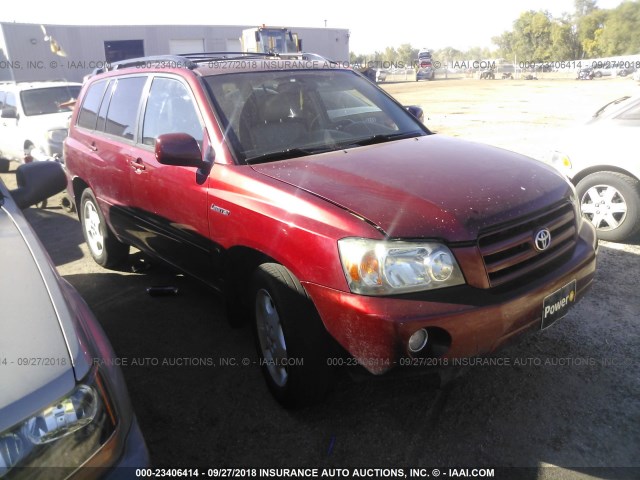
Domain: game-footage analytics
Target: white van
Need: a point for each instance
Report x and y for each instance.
(34, 120)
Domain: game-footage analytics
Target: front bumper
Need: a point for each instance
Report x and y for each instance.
(376, 330)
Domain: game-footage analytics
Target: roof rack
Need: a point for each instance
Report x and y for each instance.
(191, 60)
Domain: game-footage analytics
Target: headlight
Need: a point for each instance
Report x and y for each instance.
(374, 267)
(65, 434)
(561, 161)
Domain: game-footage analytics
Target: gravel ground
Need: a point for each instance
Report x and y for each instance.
(562, 403)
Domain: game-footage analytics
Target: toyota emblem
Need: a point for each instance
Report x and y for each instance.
(542, 240)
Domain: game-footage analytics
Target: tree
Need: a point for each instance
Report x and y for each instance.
(620, 33)
(590, 28)
(407, 54)
(532, 36)
(564, 40)
(584, 7)
(506, 44)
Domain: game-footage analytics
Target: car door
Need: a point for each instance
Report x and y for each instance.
(171, 201)
(106, 135)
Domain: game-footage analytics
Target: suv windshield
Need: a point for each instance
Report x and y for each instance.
(43, 101)
(275, 115)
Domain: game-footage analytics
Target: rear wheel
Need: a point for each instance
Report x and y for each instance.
(611, 201)
(105, 249)
(292, 342)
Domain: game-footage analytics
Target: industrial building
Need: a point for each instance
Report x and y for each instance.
(33, 52)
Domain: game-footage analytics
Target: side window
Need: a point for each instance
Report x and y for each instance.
(630, 114)
(123, 109)
(90, 104)
(102, 114)
(170, 109)
(2, 94)
(10, 100)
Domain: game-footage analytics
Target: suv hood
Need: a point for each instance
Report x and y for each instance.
(35, 364)
(427, 187)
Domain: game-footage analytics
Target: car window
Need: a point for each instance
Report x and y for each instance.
(104, 106)
(271, 112)
(2, 94)
(10, 100)
(44, 101)
(123, 111)
(630, 114)
(170, 109)
(90, 105)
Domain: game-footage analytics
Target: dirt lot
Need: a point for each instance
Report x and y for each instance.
(565, 397)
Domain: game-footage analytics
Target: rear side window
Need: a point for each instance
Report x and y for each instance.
(123, 109)
(90, 105)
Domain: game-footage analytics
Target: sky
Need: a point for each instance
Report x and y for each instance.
(432, 24)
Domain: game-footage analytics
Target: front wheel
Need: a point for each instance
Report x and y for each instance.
(292, 342)
(611, 201)
(104, 247)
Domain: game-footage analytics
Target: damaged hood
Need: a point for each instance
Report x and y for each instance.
(432, 186)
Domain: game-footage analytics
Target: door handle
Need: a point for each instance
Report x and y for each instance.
(93, 147)
(137, 165)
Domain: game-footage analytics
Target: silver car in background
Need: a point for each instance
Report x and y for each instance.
(601, 159)
(63, 402)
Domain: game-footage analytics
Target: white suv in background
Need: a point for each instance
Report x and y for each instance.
(34, 120)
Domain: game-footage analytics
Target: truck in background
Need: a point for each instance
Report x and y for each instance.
(270, 40)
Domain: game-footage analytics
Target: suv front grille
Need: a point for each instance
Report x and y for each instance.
(509, 253)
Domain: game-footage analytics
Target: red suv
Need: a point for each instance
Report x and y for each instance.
(325, 212)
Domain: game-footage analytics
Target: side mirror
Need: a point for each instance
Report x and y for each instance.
(9, 112)
(178, 149)
(417, 112)
(38, 181)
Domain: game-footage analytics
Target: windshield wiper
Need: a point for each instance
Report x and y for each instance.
(284, 154)
(381, 138)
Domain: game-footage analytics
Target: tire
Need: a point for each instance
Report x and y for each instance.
(291, 340)
(105, 249)
(27, 153)
(66, 203)
(611, 201)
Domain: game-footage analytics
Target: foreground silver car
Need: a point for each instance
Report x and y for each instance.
(601, 159)
(63, 403)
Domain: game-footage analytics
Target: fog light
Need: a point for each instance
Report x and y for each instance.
(418, 340)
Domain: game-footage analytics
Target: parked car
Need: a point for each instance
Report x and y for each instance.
(33, 120)
(603, 72)
(63, 402)
(488, 74)
(624, 71)
(425, 70)
(598, 159)
(586, 73)
(324, 212)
